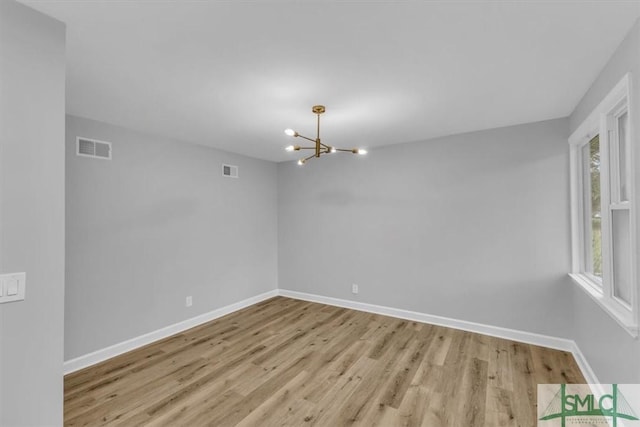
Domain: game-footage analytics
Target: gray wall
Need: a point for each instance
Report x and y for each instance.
(612, 353)
(32, 76)
(155, 224)
(472, 226)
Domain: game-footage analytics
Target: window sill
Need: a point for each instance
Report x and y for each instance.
(596, 294)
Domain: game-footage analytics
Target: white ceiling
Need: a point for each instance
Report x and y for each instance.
(233, 75)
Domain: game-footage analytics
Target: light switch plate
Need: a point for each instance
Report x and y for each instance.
(12, 287)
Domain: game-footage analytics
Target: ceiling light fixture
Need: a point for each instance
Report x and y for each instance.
(319, 147)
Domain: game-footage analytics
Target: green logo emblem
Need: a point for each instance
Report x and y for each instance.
(587, 408)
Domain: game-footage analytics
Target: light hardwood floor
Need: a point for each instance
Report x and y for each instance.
(290, 362)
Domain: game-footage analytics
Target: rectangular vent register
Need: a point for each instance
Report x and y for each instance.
(230, 171)
(87, 147)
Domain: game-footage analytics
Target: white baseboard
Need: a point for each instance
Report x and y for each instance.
(584, 366)
(494, 331)
(142, 340)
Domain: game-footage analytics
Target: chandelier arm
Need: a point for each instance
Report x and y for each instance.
(307, 148)
(345, 149)
(310, 157)
(308, 139)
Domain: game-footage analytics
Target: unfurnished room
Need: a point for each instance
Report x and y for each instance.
(319, 213)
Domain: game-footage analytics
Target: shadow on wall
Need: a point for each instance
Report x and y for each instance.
(157, 215)
(345, 198)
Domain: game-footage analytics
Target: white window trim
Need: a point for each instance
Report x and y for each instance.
(601, 291)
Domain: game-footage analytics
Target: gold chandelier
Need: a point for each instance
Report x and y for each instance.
(319, 147)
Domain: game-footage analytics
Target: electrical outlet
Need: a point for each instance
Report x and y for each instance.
(354, 288)
(189, 301)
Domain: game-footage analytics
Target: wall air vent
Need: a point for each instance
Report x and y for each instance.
(230, 171)
(87, 147)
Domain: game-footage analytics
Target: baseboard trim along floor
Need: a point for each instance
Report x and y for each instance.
(495, 331)
(114, 350)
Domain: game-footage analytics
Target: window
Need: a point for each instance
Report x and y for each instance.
(603, 229)
(592, 216)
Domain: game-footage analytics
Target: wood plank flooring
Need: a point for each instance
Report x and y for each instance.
(285, 362)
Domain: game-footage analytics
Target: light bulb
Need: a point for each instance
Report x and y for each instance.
(290, 148)
(301, 162)
(291, 132)
(333, 150)
(361, 151)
